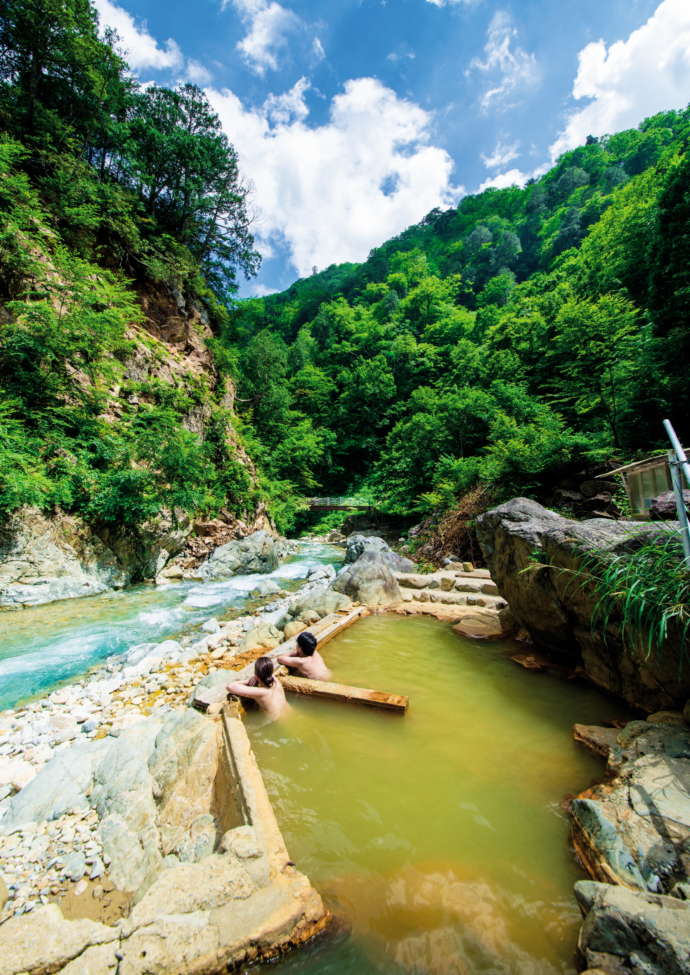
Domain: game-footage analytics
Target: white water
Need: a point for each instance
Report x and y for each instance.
(44, 645)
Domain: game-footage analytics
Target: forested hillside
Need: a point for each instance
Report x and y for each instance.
(123, 224)
(527, 333)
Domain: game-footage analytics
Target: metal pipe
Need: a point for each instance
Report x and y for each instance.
(680, 453)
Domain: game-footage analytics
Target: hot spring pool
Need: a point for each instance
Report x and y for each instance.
(437, 837)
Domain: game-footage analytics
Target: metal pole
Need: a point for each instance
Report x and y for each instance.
(679, 452)
(678, 462)
(674, 464)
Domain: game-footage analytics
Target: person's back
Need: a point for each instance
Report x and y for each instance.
(263, 688)
(307, 661)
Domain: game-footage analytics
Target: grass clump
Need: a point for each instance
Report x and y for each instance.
(648, 587)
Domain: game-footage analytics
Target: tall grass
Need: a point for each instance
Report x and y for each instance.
(645, 590)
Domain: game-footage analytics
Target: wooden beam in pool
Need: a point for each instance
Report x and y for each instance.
(344, 692)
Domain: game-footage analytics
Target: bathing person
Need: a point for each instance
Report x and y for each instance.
(263, 688)
(306, 660)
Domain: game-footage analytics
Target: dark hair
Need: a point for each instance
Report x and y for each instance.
(306, 641)
(263, 668)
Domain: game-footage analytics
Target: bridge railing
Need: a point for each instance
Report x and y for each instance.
(338, 502)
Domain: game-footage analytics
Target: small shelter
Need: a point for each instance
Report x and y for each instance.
(644, 480)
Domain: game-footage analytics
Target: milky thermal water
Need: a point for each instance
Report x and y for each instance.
(438, 836)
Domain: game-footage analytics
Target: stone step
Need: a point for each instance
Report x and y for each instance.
(453, 598)
(447, 582)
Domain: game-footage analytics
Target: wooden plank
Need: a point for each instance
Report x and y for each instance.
(344, 692)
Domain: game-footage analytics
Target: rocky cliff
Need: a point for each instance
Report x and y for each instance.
(536, 559)
(45, 556)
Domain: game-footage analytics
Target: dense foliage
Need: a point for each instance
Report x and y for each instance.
(110, 194)
(503, 343)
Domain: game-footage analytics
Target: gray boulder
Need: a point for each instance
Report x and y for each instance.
(321, 602)
(358, 545)
(625, 931)
(259, 552)
(536, 559)
(663, 507)
(369, 580)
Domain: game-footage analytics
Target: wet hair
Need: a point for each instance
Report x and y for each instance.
(306, 641)
(263, 668)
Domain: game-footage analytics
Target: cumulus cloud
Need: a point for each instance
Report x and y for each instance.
(332, 192)
(502, 155)
(139, 47)
(631, 79)
(508, 68)
(513, 177)
(268, 26)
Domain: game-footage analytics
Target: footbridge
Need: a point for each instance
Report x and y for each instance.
(339, 504)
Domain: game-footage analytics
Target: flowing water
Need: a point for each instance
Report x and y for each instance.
(44, 645)
(438, 836)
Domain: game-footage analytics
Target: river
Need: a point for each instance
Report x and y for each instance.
(43, 646)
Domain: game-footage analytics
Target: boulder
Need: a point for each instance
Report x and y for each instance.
(536, 560)
(484, 624)
(258, 552)
(320, 602)
(663, 507)
(635, 830)
(16, 773)
(369, 581)
(265, 636)
(625, 931)
(358, 545)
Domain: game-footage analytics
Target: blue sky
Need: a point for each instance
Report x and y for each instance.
(354, 118)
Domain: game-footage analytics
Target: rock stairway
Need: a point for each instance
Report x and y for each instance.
(452, 587)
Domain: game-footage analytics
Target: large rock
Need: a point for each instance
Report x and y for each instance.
(259, 552)
(536, 560)
(635, 830)
(43, 559)
(370, 581)
(629, 932)
(320, 602)
(358, 545)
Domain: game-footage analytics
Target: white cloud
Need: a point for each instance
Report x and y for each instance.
(197, 73)
(514, 177)
(268, 24)
(317, 49)
(508, 67)
(139, 47)
(395, 56)
(632, 79)
(332, 192)
(501, 156)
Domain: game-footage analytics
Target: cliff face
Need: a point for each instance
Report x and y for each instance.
(49, 556)
(535, 557)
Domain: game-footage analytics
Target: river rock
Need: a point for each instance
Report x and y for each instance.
(535, 557)
(265, 636)
(369, 580)
(259, 552)
(625, 931)
(44, 941)
(16, 773)
(358, 545)
(320, 602)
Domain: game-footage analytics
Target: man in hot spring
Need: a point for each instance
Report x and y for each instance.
(306, 660)
(264, 688)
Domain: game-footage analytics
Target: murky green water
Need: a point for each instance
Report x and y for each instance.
(437, 836)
